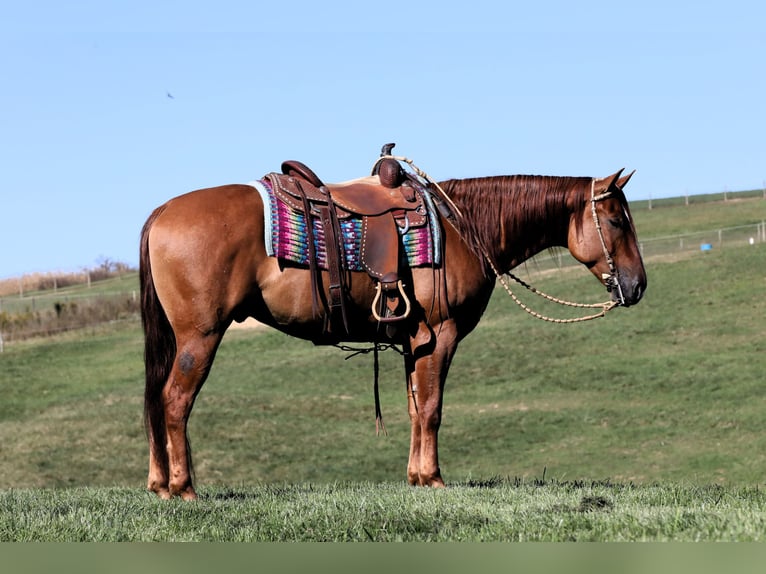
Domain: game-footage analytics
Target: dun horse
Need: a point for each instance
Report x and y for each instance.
(205, 263)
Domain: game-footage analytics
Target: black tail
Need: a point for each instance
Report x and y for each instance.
(159, 349)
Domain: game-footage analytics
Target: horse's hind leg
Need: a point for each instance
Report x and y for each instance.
(194, 358)
(158, 464)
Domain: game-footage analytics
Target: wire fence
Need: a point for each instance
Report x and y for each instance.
(706, 240)
(43, 316)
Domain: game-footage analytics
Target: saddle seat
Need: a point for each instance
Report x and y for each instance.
(387, 203)
(364, 196)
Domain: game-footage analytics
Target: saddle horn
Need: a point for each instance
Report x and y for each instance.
(390, 172)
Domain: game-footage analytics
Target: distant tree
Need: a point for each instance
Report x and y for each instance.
(105, 264)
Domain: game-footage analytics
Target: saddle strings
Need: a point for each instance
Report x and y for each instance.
(605, 306)
(425, 177)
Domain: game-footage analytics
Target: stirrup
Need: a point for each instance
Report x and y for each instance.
(393, 318)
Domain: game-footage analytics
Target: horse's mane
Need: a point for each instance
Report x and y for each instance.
(513, 203)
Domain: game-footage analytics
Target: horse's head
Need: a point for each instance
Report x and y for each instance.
(602, 237)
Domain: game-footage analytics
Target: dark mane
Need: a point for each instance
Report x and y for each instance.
(519, 204)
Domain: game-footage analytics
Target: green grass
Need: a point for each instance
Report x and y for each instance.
(384, 512)
(646, 425)
(673, 217)
(700, 198)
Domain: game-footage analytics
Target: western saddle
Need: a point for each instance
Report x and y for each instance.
(388, 202)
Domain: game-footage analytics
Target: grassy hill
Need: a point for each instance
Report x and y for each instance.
(667, 395)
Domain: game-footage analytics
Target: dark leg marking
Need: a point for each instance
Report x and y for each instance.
(186, 362)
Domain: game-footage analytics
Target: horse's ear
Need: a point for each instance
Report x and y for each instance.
(624, 180)
(614, 177)
(608, 181)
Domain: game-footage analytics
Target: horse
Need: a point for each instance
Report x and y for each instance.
(204, 264)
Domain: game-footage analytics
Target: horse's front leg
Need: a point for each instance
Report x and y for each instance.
(413, 463)
(426, 370)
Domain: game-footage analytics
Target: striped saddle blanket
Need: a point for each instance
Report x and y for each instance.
(286, 235)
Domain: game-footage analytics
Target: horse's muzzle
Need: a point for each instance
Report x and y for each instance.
(624, 291)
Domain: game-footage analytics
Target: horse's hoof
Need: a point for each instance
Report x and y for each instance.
(162, 493)
(433, 482)
(189, 495)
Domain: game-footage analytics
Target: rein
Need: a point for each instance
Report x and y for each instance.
(605, 306)
(610, 279)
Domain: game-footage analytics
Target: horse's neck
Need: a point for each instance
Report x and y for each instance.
(512, 218)
(530, 231)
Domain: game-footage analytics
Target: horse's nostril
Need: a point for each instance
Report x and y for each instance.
(638, 293)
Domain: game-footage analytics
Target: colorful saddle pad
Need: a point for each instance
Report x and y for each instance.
(286, 235)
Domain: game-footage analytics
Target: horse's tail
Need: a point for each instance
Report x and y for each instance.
(159, 349)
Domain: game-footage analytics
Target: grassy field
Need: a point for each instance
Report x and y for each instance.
(500, 511)
(670, 219)
(646, 425)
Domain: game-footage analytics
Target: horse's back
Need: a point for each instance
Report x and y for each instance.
(226, 203)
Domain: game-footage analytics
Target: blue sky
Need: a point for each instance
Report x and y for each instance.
(90, 141)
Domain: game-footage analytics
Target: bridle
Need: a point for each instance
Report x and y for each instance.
(611, 279)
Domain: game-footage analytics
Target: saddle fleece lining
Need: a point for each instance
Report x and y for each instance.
(286, 236)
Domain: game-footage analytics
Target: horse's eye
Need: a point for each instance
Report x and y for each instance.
(616, 222)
